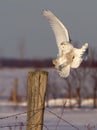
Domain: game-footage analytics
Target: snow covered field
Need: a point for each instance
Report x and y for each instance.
(76, 119)
(13, 117)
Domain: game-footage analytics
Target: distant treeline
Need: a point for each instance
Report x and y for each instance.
(36, 63)
(21, 63)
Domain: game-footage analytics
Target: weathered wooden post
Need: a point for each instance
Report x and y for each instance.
(14, 93)
(36, 99)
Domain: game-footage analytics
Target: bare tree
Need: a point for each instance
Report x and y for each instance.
(69, 90)
(53, 90)
(13, 94)
(94, 77)
(76, 84)
(1, 92)
(81, 76)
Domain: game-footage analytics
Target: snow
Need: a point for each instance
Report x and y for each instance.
(66, 102)
(80, 118)
(12, 114)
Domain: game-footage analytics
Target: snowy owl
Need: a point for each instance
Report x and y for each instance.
(68, 56)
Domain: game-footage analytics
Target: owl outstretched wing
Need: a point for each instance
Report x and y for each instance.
(60, 31)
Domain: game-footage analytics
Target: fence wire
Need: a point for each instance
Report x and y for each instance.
(22, 124)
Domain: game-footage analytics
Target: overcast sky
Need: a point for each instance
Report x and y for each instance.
(21, 21)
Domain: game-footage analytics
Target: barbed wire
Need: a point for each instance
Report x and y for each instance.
(13, 115)
(13, 125)
(63, 120)
(19, 124)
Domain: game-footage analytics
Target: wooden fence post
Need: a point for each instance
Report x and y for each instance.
(14, 93)
(36, 99)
